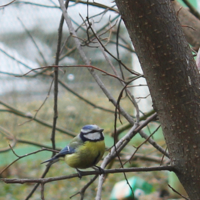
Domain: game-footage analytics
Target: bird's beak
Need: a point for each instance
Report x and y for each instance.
(101, 130)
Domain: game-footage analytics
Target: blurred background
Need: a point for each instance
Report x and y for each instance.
(28, 40)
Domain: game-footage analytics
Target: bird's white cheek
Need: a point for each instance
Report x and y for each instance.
(93, 136)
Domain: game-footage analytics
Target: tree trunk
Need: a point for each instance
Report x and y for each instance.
(173, 80)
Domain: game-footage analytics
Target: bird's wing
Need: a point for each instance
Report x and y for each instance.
(75, 143)
(66, 150)
(71, 148)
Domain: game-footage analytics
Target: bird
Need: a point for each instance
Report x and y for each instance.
(84, 151)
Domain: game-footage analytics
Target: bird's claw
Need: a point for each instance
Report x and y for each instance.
(101, 170)
(79, 173)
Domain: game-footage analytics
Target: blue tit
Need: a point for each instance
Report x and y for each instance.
(85, 150)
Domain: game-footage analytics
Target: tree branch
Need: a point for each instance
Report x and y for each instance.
(87, 173)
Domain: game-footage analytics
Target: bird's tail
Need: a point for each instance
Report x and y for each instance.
(51, 161)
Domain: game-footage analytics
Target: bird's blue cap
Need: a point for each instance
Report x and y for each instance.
(90, 127)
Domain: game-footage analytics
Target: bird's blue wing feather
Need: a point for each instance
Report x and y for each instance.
(66, 150)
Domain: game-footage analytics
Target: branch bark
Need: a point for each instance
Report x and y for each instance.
(173, 80)
(87, 173)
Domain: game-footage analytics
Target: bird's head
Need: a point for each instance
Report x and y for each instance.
(91, 133)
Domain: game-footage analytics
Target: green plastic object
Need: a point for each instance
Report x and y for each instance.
(122, 191)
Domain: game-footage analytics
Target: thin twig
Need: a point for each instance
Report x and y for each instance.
(60, 66)
(9, 136)
(163, 156)
(177, 192)
(82, 191)
(18, 140)
(42, 191)
(37, 184)
(128, 125)
(98, 5)
(84, 99)
(154, 144)
(40, 121)
(117, 47)
(33, 40)
(37, 4)
(188, 27)
(119, 61)
(2, 6)
(37, 111)
(20, 157)
(137, 148)
(148, 158)
(13, 58)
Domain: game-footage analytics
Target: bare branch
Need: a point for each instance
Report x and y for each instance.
(20, 157)
(42, 191)
(87, 173)
(2, 6)
(40, 105)
(154, 144)
(28, 116)
(33, 41)
(137, 148)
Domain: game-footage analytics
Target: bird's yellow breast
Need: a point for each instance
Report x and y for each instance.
(87, 155)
